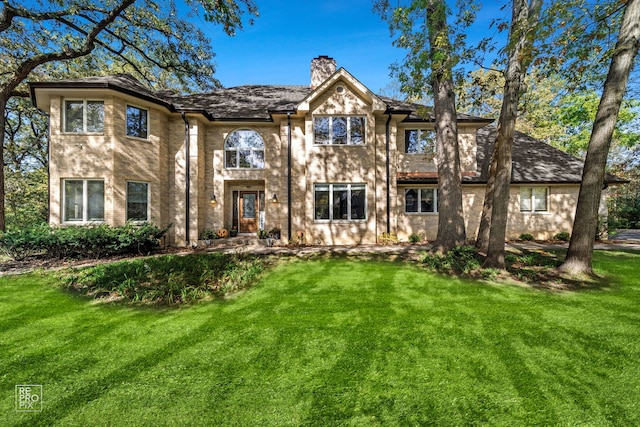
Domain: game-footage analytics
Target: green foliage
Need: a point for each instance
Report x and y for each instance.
(208, 234)
(26, 198)
(169, 279)
(414, 238)
(462, 260)
(526, 237)
(81, 241)
(564, 236)
(388, 238)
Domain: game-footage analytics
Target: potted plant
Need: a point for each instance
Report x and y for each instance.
(274, 233)
(234, 231)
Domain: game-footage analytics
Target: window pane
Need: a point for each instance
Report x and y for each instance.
(233, 140)
(245, 158)
(95, 200)
(136, 122)
(412, 144)
(540, 199)
(137, 201)
(410, 200)
(357, 130)
(525, 199)
(95, 116)
(428, 141)
(73, 196)
(339, 130)
(358, 202)
(340, 202)
(257, 159)
(427, 200)
(321, 130)
(321, 202)
(248, 205)
(73, 116)
(250, 139)
(231, 159)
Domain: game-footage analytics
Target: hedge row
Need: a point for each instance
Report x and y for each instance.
(82, 241)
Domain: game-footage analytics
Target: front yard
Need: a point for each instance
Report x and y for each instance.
(331, 342)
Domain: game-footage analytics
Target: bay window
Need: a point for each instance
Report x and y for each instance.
(137, 122)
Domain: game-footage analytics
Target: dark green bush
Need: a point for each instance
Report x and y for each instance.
(415, 238)
(461, 260)
(526, 237)
(82, 241)
(168, 279)
(563, 236)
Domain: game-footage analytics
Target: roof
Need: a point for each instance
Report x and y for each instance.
(533, 162)
(240, 103)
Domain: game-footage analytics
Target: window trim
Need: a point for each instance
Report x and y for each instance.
(419, 212)
(84, 116)
(126, 116)
(533, 210)
(334, 116)
(126, 202)
(85, 200)
(238, 149)
(330, 202)
(420, 131)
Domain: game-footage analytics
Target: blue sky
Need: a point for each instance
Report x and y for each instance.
(279, 46)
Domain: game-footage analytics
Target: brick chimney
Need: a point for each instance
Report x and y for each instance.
(322, 68)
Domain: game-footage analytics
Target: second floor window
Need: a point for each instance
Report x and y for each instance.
(83, 116)
(339, 130)
(244, 148)
(420, 141)
(137, 122)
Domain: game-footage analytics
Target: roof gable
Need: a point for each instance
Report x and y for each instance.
(354, 84)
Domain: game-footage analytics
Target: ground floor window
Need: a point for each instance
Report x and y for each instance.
(345, 202)
(83, 200)
(534, 199)
(137, 201)
(421, 200)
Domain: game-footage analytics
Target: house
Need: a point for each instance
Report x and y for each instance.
(332, 161)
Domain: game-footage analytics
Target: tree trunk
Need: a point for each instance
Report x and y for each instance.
(451, 231)
(520, 41)
(579, 255)
(482, 240)
(3, 122)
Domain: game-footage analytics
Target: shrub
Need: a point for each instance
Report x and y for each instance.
(168, 279)
(564, 236)
(526, 237)
(82, 241)
(208, 234)
(415, 238)
(461, 260)
(388, 238)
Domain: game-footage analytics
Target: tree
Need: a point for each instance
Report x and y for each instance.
(580, 251)
(145, 36)
(524, 19)
(429, 65)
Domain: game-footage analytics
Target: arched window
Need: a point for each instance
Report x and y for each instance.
(244, 148)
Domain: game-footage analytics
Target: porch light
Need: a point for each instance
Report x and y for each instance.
(213, 200)
(274, 199)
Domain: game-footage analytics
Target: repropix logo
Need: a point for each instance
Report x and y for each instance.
(28, 398)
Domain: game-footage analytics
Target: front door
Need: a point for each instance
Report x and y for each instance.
(248, 211)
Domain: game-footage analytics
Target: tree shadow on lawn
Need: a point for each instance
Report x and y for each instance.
(96, 388)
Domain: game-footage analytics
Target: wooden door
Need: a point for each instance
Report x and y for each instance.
(248, 211)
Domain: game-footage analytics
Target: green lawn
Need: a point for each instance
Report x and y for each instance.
(331, 342)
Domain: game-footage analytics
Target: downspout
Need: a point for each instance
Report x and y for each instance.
(187, 143)
(289, 175)
(388, 137)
